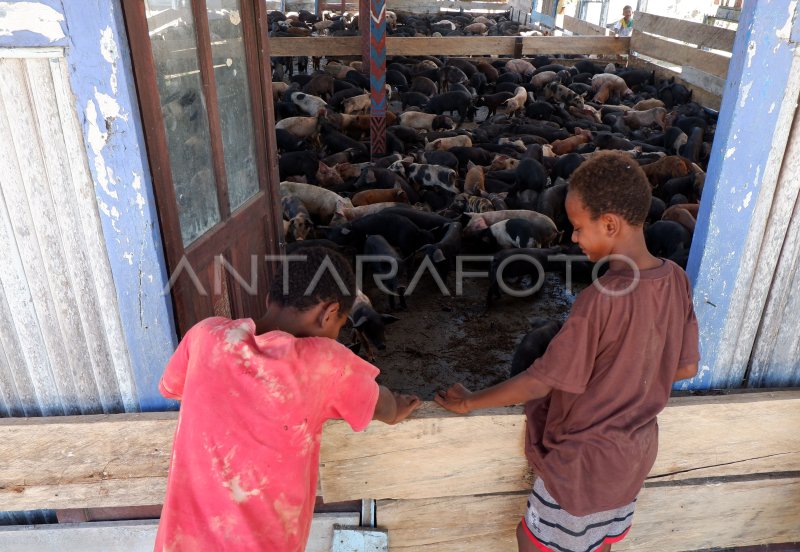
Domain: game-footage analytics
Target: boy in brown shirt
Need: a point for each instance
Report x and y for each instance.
(592, 399)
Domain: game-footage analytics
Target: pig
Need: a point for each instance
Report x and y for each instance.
(392, 274)
(476, 28)
(443, 158)
(503, 162)
(474, 180)
(568, 145)
(320, 202)
(558, 93)
(541, 79)
(278, 90)
(666, 237)
(488, 70)
(444, 252)
(356, 104)
(427, 175)
(300, 223)
(398, 230)
(369, 197)
(424, 220)
(369, 326)
(425, 121)
(346, 214)
(479, 222)
(516, 103)
(530, 175)
(472, 204)
(534, 344)
(680, 215)
(644, 105)
(300, 127)
(493, 101)
(666, 168)
(306, 163)
(522, 233)
(520, 66)
(451, 142)
(533, 262)
(308, 104)
(638, 119)
(455, 101)
(423, 85)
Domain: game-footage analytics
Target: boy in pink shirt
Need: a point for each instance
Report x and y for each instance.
(254, 397)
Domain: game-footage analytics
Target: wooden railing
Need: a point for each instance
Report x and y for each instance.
(726, 473)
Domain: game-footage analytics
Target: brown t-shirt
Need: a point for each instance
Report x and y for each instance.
(594, 438)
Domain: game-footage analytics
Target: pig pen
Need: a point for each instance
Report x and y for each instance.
(442, 339)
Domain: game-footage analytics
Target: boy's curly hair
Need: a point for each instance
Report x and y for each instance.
(611, 182)
(324, 276)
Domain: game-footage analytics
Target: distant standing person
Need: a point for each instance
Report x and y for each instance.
(624, 27)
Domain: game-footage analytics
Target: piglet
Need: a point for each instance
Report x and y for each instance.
(369, 325)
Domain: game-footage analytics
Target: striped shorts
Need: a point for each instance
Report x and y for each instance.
(553, 529)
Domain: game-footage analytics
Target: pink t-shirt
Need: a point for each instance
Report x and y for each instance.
(243, 474)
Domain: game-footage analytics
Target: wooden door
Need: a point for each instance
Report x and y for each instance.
(204, 87)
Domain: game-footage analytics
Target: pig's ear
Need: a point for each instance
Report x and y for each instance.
(389, 319)
(322, 166)
(502, 195)
(360, 322)
(345, 231)
(438, 256)
(471, 165)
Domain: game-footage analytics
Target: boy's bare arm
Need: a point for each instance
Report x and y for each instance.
(686, 372)
(392, 408)
(521, 388)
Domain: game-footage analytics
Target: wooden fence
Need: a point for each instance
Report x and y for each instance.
(726, 474)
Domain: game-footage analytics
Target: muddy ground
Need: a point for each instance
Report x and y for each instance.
(440, 340)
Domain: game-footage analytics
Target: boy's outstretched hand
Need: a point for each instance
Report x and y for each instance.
(454, 399)
(394, 407)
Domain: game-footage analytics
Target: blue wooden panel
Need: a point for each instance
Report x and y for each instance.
(758, 78)
(32, 24)
(102, 80)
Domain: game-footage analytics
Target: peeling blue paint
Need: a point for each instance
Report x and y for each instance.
(101, 78)
(53, 10)
(757, 79)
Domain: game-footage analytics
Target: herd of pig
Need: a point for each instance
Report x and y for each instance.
(449, 185)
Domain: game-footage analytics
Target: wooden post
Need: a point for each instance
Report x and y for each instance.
(377, 76)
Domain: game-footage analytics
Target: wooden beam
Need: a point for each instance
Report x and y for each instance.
(667, 519)
(728, 437)
(581, 27)
(452, 46)
(680, 54)
(122, 460)
(699, 94)
(599, 45)
(704, 36)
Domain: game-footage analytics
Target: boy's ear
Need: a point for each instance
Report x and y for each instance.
(329, 312)
(612, 224)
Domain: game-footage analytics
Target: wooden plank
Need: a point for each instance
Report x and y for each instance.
(34, 315)
(122, 460)
(73, 288)
(87, 461)
(680, 54)
(599, 45)
(704, 36)
(111, 351)
(132, 536)
(316, 46)
(728, 438)
(699, 95)
(452, 46)
(581, 27)
(668, 518)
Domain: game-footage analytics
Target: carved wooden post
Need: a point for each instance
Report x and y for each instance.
(377, 76)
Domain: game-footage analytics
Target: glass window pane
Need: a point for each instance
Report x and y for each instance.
(174, 44)
(236, 118)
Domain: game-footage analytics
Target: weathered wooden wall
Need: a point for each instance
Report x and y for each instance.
(64, 351)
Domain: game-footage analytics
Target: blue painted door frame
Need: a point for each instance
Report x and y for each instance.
(757, 109)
